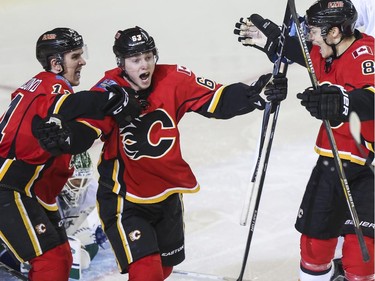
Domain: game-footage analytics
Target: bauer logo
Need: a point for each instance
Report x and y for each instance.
(362, 223)
(135, 235)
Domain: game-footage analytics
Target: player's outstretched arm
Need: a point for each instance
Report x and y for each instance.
(239, 98)
(263, 34)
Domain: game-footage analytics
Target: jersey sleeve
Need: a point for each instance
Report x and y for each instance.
(210, 99)
(227, 102)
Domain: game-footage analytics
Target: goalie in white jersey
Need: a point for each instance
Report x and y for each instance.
(78, 209)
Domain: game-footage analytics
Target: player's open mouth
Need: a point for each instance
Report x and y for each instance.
(144, 76)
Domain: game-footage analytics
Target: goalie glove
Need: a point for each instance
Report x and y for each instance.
(53, 134)
(122, 105)
(328, 101)
(263, 34)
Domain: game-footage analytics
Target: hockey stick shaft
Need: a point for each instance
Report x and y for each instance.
(13, 272)
(258, 193)
(252, 189)
(280, 67)
(200, 276)
(327, 125)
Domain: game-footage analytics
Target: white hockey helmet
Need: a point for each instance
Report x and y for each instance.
(75, 188)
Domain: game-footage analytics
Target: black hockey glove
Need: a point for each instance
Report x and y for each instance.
(53, 134)
(122, 105)
(256, 88)
(330, 102)
(277, 89)
(263, 34)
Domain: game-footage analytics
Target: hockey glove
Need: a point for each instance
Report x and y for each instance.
(122, 105)
(260, 33)
(330, 102)
(256, 88)
(277, 89)
(53, 134)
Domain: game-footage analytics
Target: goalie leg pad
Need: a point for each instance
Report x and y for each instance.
(52, 265)
(317, 254)
(352, 261)
(148, 268)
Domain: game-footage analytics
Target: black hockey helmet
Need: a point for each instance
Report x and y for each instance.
(55, 43)
(131, 42)
(332, 13)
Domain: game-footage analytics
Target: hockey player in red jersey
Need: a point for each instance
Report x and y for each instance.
(30, 177)
(343, 59)
(142, 172)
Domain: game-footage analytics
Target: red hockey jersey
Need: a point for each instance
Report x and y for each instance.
(24, 165)
(147, 164)
(354, 69)
(22, 159)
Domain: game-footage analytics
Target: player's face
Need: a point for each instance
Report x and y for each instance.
(73, 63)
(317, 39)
(140, 69)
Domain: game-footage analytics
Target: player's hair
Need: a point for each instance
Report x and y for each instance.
(131, 42)
(329, 13)
(56, 42)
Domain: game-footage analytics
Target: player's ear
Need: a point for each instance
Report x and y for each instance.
(335, 32)
(56, 66)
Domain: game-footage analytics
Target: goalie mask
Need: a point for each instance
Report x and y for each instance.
(75, 189)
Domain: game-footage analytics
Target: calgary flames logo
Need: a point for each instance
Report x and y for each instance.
(151, 135)
(40, 228)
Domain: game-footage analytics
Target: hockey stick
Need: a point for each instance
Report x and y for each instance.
(13, 272)
(253, 187)
(327, 125)
(280, 67)
(200, 276)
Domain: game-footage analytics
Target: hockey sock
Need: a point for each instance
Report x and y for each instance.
(54, 264)
(317, 254)
(167, 270)
(148, 268)
(355, 268)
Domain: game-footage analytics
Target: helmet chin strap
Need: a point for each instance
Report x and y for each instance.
(141, 95)
(127, 76)
(328, 61)
(333, 46)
